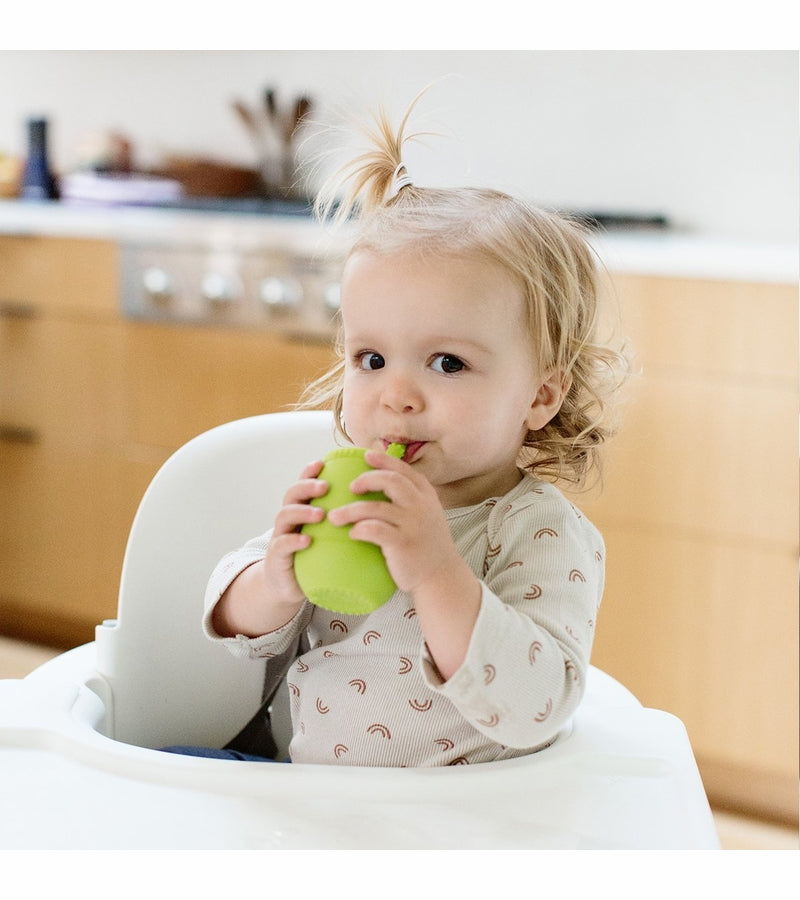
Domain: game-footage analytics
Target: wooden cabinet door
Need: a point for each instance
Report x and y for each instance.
(183, 380)
(64, 276)
(62, 479)
(699, 514)
(64, 522)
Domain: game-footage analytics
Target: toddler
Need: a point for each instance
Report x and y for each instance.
(468, 335)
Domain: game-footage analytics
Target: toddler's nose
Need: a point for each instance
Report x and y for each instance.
(401, 394)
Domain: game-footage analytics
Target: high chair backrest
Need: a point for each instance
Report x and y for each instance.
(163, 681)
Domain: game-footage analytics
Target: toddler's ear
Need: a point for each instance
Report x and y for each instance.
(548, 399)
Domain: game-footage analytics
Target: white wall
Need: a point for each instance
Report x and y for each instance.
(709, 138)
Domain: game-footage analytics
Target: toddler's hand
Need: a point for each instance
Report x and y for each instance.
(413, 533)
(287, 538)
(266, 596)
(411, 530)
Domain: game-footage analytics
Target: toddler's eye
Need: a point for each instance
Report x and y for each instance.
(370, 360)
(447, 364)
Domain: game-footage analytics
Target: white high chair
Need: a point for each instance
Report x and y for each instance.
(77, 770)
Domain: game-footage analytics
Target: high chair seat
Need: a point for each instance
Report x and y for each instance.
(77, 764)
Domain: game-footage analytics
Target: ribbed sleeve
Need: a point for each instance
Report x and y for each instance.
(525, 669)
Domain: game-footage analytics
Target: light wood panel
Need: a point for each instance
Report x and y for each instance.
(706, 630)
(707, 457)
(708, 328)
(64, 522)
(181, 381)
(66, 491)
(699, 512)
(62, 379)
(67, 275)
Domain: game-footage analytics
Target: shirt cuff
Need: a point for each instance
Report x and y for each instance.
(463, 679)
(273, 643)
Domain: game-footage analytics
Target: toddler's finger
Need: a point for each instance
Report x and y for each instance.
(305, 490)
(360, 510)
(396, 485)
(286, 545)
(293, 516)
(312, 469)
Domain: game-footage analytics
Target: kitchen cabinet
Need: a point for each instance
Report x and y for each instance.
(699, 513)
(90, 406)
(182, 380)
(63, 509)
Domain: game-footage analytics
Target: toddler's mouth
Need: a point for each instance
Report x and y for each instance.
(412, 447)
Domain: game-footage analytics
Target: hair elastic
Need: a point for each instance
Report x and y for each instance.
(400, 181)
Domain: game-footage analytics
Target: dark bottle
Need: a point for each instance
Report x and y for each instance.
(38, 182)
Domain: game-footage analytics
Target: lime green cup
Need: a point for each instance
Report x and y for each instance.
(336, 572)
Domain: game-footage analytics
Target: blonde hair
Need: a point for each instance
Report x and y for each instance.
(547, 254)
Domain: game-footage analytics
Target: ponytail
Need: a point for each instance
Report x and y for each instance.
(375, 177)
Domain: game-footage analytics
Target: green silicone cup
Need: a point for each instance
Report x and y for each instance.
(336, 572)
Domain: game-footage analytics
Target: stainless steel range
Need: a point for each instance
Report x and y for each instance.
(250, 263)
(278, 273)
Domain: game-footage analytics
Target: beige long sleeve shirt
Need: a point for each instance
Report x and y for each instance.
(368, 693)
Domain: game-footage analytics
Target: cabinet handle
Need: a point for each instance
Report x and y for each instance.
(16, 309)
(18, 434)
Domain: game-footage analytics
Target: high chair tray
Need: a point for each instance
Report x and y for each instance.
(622, 776)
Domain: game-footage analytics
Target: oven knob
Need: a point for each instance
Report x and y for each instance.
(280, 293)
(219, 289)
(157, 284)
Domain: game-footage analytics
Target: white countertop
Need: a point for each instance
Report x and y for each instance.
(143, 225)
(659, 253)
(683, 255)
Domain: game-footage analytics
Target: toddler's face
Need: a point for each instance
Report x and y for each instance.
(438, 357)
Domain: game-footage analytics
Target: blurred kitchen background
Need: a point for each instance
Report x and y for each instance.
(708, 139)
(161, 274)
